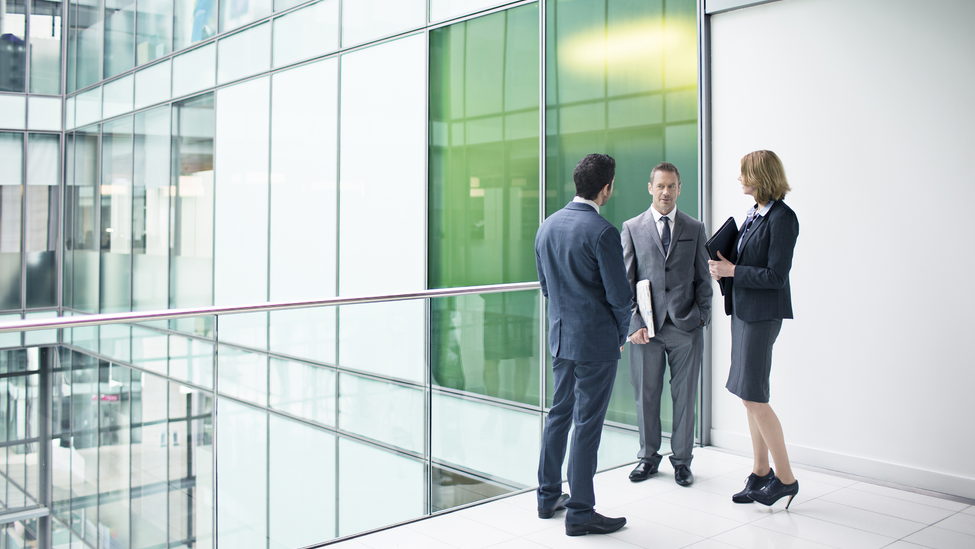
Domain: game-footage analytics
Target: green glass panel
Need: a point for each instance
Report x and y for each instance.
(621, 80)
(487, 344)
(484, 162)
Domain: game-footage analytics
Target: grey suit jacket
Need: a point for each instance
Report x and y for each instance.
(580, 268)
(680, 284)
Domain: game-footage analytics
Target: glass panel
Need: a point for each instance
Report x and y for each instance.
(85, 36)
(43, 159)
(303, 390)
(13, 46)
(150, 349)
(308, 334)
(499, 442)
(191, 248)
(402, 325)
(153, 84)
(241, 216)
(366, 20)
(13, 112)
(44, 113)
(116, 216)
(402, 479)
(243, 375)
(89, 106)
(243, 465)
(484, 150)
(45, 46)
(191, 474)
(308, 32)
(117, 96)
(84, 451)
(303, 484)
(11, 179)
(150, 210)
(40, 337)
(441, 10)
(487, 344)
(303, 191)
(244, 54)
(382, 411)
(119, 28)
(115, 341)
(191, 360)
(9, 339)
(195, 20)
(195, 71)
(69, 108)
(234, 14)
(154, 34)
(114, 459)
(81, 222)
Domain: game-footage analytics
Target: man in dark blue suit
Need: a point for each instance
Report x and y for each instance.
(579, 257)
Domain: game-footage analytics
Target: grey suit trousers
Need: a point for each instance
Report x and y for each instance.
(685, 352)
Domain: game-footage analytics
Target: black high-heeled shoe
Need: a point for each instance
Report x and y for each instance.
(774, 491)
(753, 482)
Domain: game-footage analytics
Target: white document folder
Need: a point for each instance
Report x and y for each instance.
(645, 305)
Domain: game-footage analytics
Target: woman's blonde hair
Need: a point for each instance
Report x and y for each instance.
(764, 171)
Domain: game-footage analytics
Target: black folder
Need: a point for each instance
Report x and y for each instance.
(723, 240)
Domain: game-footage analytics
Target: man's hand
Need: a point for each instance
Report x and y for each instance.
(640, 337)
(722, 268)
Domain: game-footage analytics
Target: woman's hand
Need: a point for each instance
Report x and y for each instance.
(722, 268)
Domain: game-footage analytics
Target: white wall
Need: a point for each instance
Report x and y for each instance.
(869, 105)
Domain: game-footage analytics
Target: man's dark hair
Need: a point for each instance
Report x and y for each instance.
(592, 173)
(665, 167)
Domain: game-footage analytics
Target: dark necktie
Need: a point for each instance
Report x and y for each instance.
(665, 235)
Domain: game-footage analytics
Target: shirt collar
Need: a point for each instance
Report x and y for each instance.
(657, 215)
(586, 201)
(760, 212)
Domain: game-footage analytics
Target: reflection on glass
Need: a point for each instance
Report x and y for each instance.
(85, 37)
(114, 459)
(45, 46)
(195, 20)
(150, 210)
(308, 32)
(302, 481)
(116, 215)
(359, 484)
(243, 465)
(452, 488)
(11, 154)
(402, 326)
(154, 35)
(243, 375)
(81, 255)
(195, 71)
(366, 20)
(244, 53)
(487, 344)
(308, 334)
(117, 96)
(382, 411)
(88, 106)
(191, 248)
(303, 390)
(13, 47)
(191, 475)
(441, 10)
(119, 28)
(484, 150)
(153, 84)
(191, 359)
(237, 13)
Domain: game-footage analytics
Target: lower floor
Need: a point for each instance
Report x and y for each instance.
(831, 510)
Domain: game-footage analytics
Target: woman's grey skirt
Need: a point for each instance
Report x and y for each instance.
(751, 357)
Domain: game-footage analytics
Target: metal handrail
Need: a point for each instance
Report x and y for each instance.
(168, 314)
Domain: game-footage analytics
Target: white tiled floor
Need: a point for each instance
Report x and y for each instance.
(830, 511)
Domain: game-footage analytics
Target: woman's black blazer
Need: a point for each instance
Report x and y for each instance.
(760, 288)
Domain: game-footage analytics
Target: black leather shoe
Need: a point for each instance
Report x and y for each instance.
(753, 482)
(544, 513)
(683, 475)
(598, 524)
(774, 491)
(643, 471)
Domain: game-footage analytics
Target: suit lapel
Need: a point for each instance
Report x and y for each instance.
(678, 227)
(651, 226)
(756, 224)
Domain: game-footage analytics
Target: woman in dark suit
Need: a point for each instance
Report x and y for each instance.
(757, 297)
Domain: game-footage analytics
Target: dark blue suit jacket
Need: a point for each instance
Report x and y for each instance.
(760, 288)
(579, 256)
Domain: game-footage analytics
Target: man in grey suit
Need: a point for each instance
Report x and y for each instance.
(666, 247)
(580, 268)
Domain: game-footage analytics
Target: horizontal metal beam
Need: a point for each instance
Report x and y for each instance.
(169, 314)
(24, 514)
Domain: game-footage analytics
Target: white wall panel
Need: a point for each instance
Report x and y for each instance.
(868, 104)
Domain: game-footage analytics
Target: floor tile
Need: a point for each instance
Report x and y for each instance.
(509, 518)
(704, 468)
(753, 537)
(527, 501)
(961, 522)
(887, 505)
(806, 474)
(643, 533)
(820, 531)
(715, 504)
(860, 519)
(620, 478)
(682, 518)
(910, 496)
(939, 538)
(901, 544)
(517, 543)
(459, 531)
(723, 456)
(710, 544)
(401, 538)
(555, 538)
(350, 544)
(970, 510)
